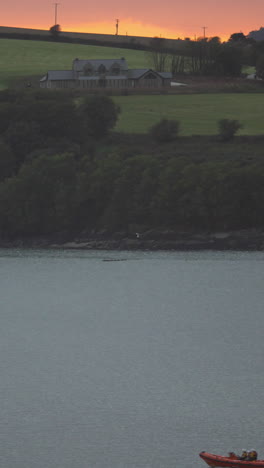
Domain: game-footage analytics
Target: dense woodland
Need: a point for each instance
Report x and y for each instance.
(64, 169)
(209, 56)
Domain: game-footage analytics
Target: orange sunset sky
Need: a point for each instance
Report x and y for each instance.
(167, 18)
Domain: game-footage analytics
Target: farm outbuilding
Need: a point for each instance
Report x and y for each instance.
(108, 73)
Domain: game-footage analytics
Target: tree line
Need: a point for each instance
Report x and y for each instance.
(61, 172)
(209, 56)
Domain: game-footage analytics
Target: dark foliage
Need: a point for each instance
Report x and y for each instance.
(257, 35)
(7, 161)
(165, 130)
(55, 31)
(51, 181)
(260, 66)
(228, 128)
(229, 60)
(97, 115)
(23, 137)
(237, 37)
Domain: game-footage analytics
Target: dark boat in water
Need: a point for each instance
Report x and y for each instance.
(231, 461)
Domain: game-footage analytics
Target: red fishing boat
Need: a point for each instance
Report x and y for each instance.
(231, 461)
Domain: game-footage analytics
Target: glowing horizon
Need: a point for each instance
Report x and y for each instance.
(142, 18)
(126, 28)
(131, 29)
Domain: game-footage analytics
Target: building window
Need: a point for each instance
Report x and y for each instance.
(87, 69)
(101, 68)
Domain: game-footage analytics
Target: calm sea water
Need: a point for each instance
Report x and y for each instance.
(141, 362)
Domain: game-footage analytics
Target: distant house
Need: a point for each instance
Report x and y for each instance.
(108, 73)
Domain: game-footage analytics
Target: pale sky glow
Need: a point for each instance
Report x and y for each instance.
(170, 18)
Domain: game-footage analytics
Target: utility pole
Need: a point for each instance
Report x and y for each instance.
(56, 10)
(204, 28)
(117, 22)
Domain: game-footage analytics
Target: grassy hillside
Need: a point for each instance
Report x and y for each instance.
(197, 113)
(22, 58)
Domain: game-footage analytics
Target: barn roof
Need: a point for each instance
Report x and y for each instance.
(165, 74)
(60, 75)
(78, 64)
(137, 73)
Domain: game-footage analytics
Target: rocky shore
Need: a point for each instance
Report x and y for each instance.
(252, 239)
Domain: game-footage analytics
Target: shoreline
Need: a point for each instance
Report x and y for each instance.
(243, 240)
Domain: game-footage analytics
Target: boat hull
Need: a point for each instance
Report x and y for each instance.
(229, 462)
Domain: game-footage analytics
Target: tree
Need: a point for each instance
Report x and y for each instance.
(55, 31)
(257, 35)
(165, 130)
(228, 128)
(237, 37)
(158, 55)
(177, 63)
(203, 53)
(7, 162)
(41, 198)
(23, 137)
(229, 60)
(260, 67)
(97, 115)
(55, 117)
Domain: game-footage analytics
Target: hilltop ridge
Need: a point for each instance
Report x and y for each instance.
(111, 40)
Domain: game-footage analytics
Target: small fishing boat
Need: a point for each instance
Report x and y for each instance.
(231, 461)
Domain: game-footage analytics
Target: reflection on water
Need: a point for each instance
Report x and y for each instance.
(139, 362)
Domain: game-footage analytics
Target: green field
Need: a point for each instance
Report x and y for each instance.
(22, 58)
(198, 114)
